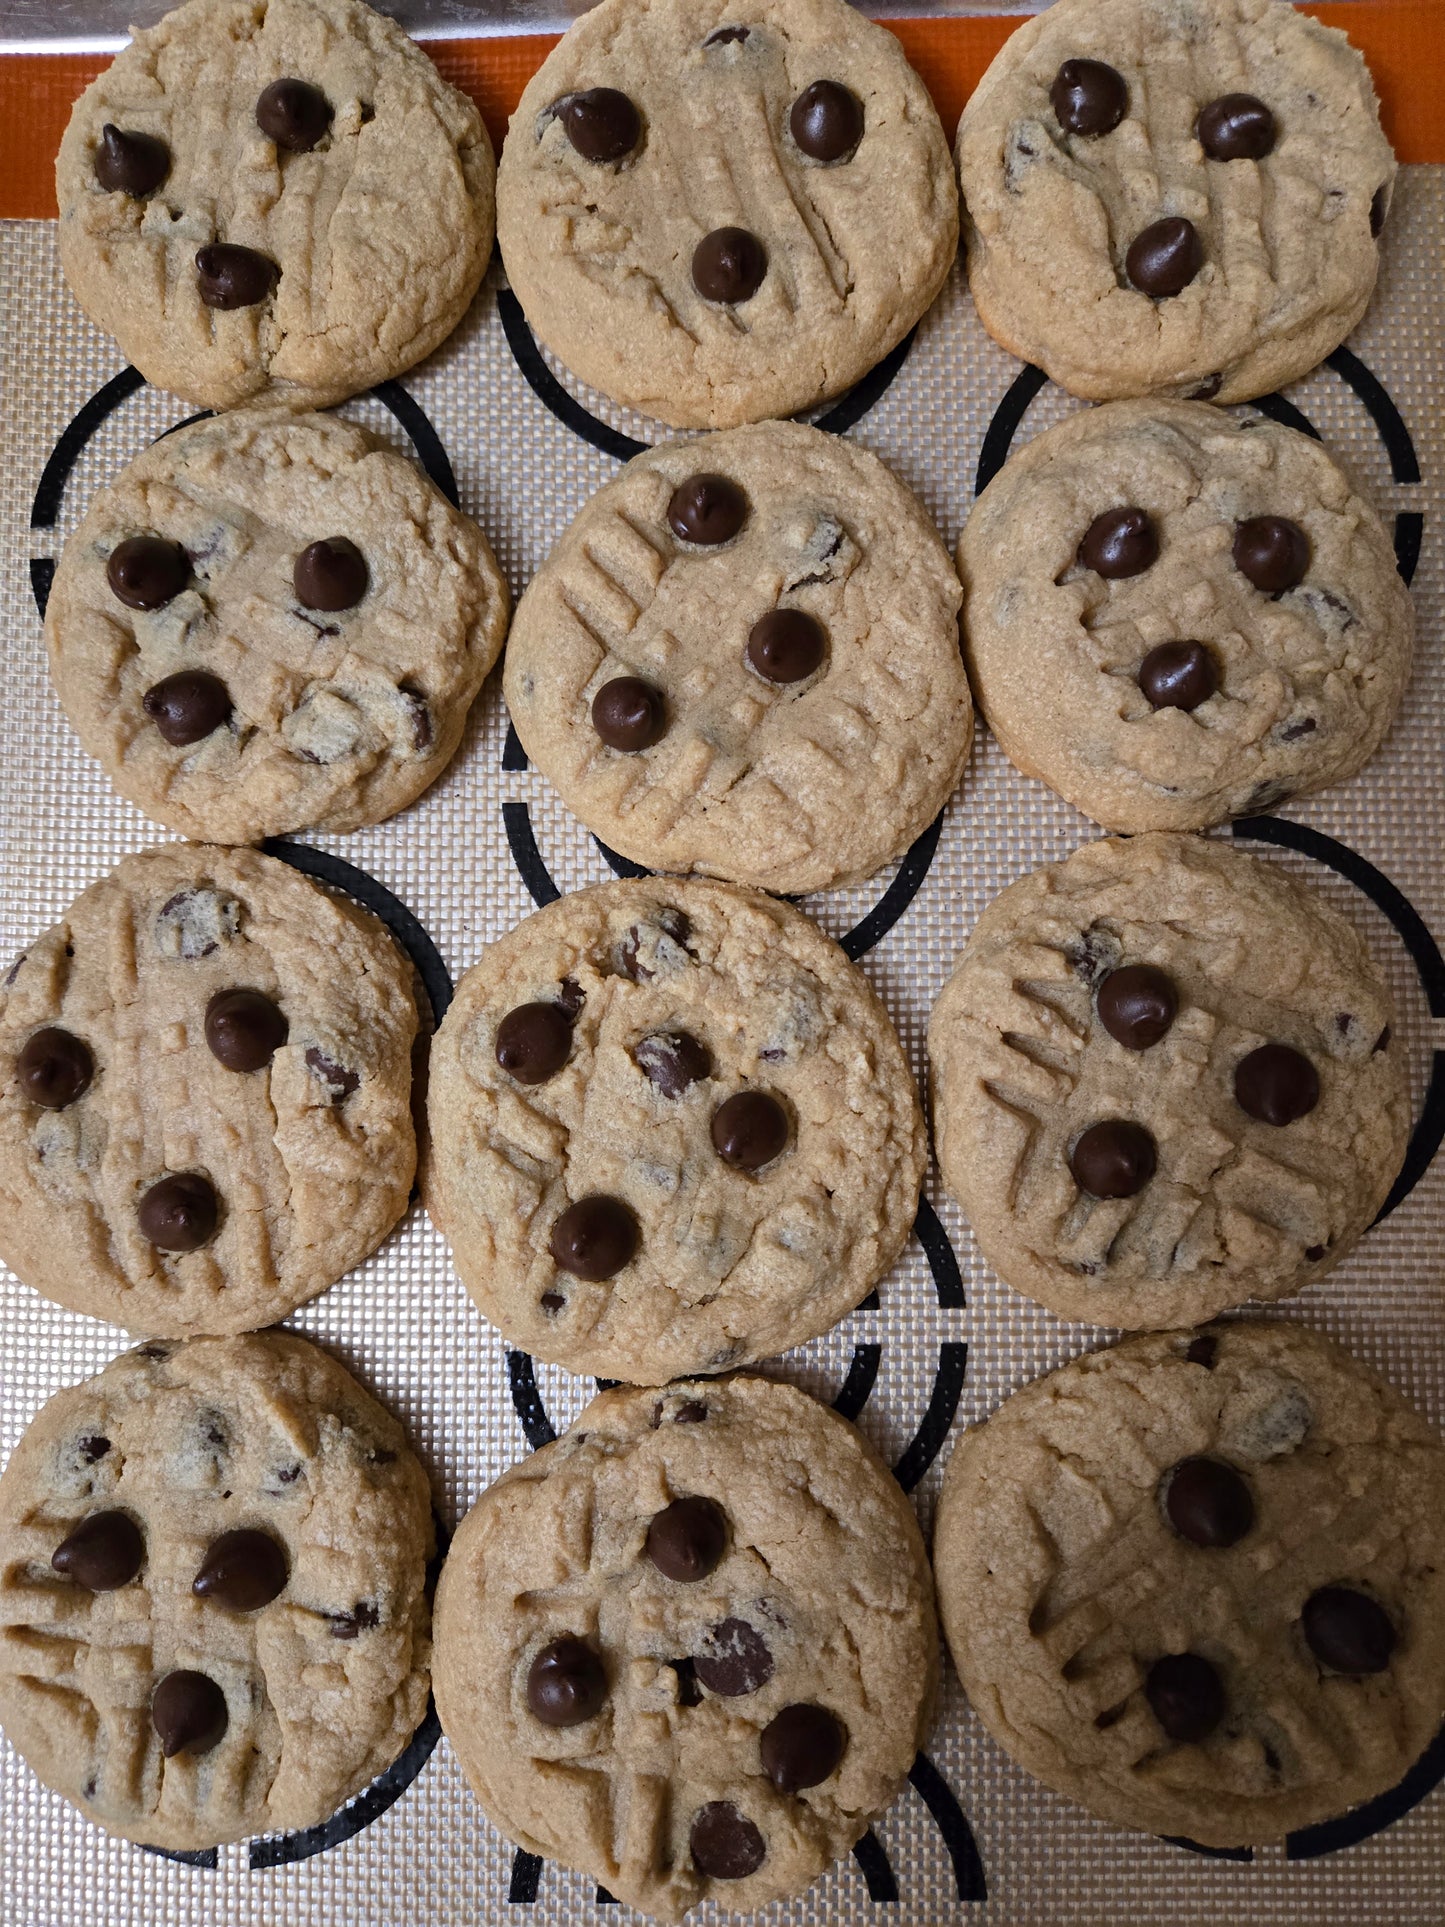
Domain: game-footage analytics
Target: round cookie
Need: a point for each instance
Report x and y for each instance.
(720, 214)
(271, 622)
(286, 197)
(783, 620)
(1174, 616)
(1174, 197)
(690, 1647)
(1164, 1082)
(672, 1130)
(1197, 1582)
(205, 1083)
(213, 1610)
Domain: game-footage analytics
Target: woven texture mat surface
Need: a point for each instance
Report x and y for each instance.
(973, 1838)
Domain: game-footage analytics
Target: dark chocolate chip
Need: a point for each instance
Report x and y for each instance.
(339, 1081)
(552, 1302)
(687, 1539)
(244, 1029)
(145, 572)
(179, 1213)
(1314, 1253)
(1208, 1503)
(689, 1693)
(1276, 1084)
(188, 707)
(1272, 552)
(1186, 1695)
(566, 1683)
(420, 712)
(1121, 542)
(1089, 97)
(1178, 675)
(571, 996)
(242, 1570)
(1236, 127)
(749, 1129)
(331, 574)
(54, 1068)
(1137, 1005)
(1379, 210)
(601, 123)
(294, 114)
(707, 510)
(693, 1412)
(725, 1844)
(726, 36)
(629, 714)
(826, 121)
(1348, 1631)
(801, 1747)
(672, 1061)
(594, 1238)
(362, 1618)
(1202, 1350)
(1292, 732)
(189, 1713)
(786, 645)
(673, 923)
(102, 1553)
(735, 1659)
(1165, 258)
(93, 1447)
(1207, 389)
(729, 265)
(127, 163)
(1113, 1159)
(533, 1042)
(232, 277)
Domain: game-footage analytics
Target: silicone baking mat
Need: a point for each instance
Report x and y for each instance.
(522, 447)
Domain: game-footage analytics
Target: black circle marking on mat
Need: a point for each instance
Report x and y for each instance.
(1404, 462)
(517, 821)
(42, 575)
(857, 1387)
(1244, 1854)
(1287, 415)
(56, 473)
(431, 452)
(620, 865)
(942, 1260)
(1005, 424)
(923, 1448)
(206, 1857)
(917, 862)
(1330, 1836)
(881, 1880)
(948, 1816)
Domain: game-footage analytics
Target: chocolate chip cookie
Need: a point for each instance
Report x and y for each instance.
(285, 196)
(213, 1614)
(743, 658)
(205, 1082)
(1174, 616)
(1197, 1582)
(690, 1647)
(672, 1130)
(1164, 1081)
(717, 216)
(271, 622)
(1174, 197)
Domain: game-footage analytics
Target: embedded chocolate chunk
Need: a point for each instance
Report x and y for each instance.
(1186, 1695)
(672, 1061)
(104, 1552)
(1119, 543)
(687, 1539)
(54, 1068)
(724, 1842)
(1276, 1084)
(533, 1042)
(233, 277)
(566, 1683)
(1272, 552)
(189, 1713)
(735, 1659)
(1137, 1005)
(629, 714)
(146, 572)
(130, 163)
(330, 575)
(749, 1130)
(801, 1747)
(339, 1082)
(1165, 257)
(595, 1238)
(1236, 127)
(1203, 1350)
(188, 707)
(707, 510)
(1089, 97)
(242, 1571)
(179, 1213)
(294, 114)
(826, 121)
(1178, 675)
(786, 645)
(1207, 1502)
(729, 265)
(244, 1029)
(601, 123)
(1348, 1631)
(1115, 1158)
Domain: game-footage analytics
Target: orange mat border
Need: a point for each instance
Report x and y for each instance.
(1403, 40)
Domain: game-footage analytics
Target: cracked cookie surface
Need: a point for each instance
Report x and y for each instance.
(1149, 679)
(366, 225)
(146, 1179)
(672, 1129)
(228, 1534)
(234, 683)
(733, 1564)
(1226, 1654)
(776, 545)
(1064, 171)
(1266, 1082)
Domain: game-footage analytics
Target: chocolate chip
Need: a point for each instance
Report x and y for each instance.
(1314, 1253)
(244, 1029)
(145, 572)
(707, 510)
(1207, 389)
(725, 1844)
(1276, 1084)
(294, 114)
(232, 277)
(1113, 1159)
(749, 1129)
(693, 1412)
(1137, 1005)
(826, 121)
(1186, 1695)
(102, 1553)
(594, 1238)
(1379, 210)
(1293, 732)
(54, 1068)
(728, 265)
(1348, 1631)
(188, 707)
(626, 959)
(127, 163)
(189, 1713)
(601, 123)
(689, 1693)
(1236, 127)
(1165, 258)
(179, 1213)
(687, 1539)
(242, 1571)
(93, 1447)
(726, 36)
(1094, 954)
(801, 1747)
(672, 1061)
(533, 1042)
(339, 1081)
(1178, 675)
(786, 645)
(1121, 542)
(1273, 552)
(420, 713)
(629, 714)
(1089, 97)
(552, 1302)
(566, 1683)
(1202, 1350)
(571, 996)
(331, 574)
(1207, 1502)
(735, 1659)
